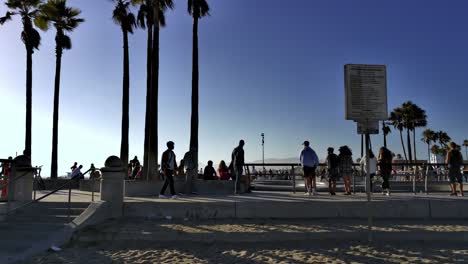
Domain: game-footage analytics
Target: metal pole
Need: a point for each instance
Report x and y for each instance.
(69, 200)
(425, 179)
(414, 182)
(263, 150)
(354, 182)
(92, 188)
(294, 179)
(369, 204)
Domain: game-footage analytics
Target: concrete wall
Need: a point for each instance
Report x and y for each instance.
(87, 185)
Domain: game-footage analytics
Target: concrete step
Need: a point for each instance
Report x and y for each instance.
(53, 212)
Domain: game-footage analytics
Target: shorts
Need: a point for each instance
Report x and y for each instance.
(333, 174)
(455, 176)
(309, 172)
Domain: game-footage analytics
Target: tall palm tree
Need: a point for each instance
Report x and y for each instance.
(419, 119)
(408, 124)
(27, 9)
(197, 9)
(385, 130)
(396, 119)
(145, 19)
(127, 22)
(465, 144)
(443, 139)
(428, 136)
(64, 19)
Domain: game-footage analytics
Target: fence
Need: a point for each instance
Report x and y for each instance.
(402, 172)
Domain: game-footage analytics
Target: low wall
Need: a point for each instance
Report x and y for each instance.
(394, 209)
(87, 185)
(52, 184)
(201, 187)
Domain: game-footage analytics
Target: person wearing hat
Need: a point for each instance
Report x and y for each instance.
(168, 165)
(333, 164)
(309, 161)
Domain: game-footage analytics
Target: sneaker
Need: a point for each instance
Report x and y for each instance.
(162, 196)
(388, 193)
(174, 196)
(314, 193)
(333, 193)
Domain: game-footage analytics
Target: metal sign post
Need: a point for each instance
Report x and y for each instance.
(366, 103)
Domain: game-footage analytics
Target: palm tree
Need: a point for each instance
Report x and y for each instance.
(419, 120)
(465, 144)
(408, 124)
(127, 22)
(197, 9)
(65, 19)
(146, 20)
(443, 139)
(396, 119)
(385, 130)
(428, 136)
(27, 9)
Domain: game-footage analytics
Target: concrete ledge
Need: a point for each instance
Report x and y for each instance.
(3, 211)
(448, 209)
(155, 210)
(96, 213)
(87, 185)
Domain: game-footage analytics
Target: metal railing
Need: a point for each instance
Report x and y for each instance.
(413, 172)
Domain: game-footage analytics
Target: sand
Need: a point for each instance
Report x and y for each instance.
(255, 241)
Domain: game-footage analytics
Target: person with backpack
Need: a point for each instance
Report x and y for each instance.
(454, 161)
(333, 164)
(346, 167)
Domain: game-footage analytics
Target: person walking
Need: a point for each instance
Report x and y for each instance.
(333, 167)
(168, 165)
(309, 161)
(346, 167)
(385, 164)
(372, 167)
(238, 161)
(454, 162)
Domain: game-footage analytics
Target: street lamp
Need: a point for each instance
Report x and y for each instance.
(263, 149)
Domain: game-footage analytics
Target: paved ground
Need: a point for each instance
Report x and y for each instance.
(261, 196)
(272, 241)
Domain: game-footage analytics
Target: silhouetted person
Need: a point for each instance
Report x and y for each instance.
(372, 167)
(168, 165)
(309, 161)
(75, 165)
(333, 167)
(346, 167)
(76, 174)
(238, 162)
(209, 172)
(191, 173)
(223, 171)
(454, 161)
(385, 164)
(6, 168)
(136, 167)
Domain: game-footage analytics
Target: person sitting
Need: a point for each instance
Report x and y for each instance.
(209, 172)
(223, 171)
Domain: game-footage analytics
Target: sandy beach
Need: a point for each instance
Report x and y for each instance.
(249, 241)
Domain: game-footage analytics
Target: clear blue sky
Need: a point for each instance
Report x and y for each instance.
(264, 67)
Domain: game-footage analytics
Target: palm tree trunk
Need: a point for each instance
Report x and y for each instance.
(194, 118)
(147, 166)
(403, 145)
(125, 101)
(408, 142)
(428, 152)
(153, 154)
(58, 65)
(28, 137)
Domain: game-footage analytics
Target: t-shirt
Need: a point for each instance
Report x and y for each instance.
(76, 172)
(209, 173)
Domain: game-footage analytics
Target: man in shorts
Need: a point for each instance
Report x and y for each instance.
(333, 163)
(309, 161)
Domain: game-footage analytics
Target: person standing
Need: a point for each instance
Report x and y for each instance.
(309, 161)
(75, 165)
(385, 164)
(191, 172)
(238, 162)
(6, 167)
(454, 161)
(333, 164)
(168, 165)
(372, 166)
(346, 167)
